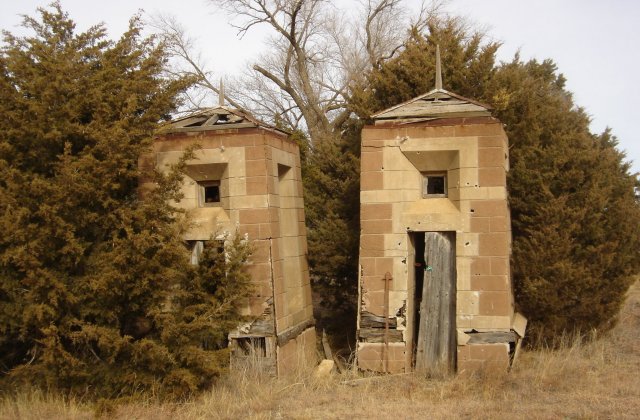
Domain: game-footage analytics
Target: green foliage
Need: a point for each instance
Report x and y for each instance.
(97, 294)
(331, 177)
(469, 65)
(576, 219)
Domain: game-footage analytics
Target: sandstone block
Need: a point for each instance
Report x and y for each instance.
(467, 302)
(255, 153)
(372, 242)
(251, 216)
(478, 130)
(492, 177)
(252, 231)
(480, 266)
(257, 185)
(480, 224)
(489, 352)
(491, 156)
(372, 252)
(431, 131)
(374, 300)
(371, 181)
(489, 283)
(490, 323)
(488, 208)
(372, 133)
(371, 161)
(383, 266)
(493, 141)
(495, 303)
(372, 283)
(462, 354)
(242, 140)
(494, 244)
(500, 224)
(376, 226)
(499, 266)
(256, 168)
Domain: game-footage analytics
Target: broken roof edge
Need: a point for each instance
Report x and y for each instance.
(434, 121)
(250, 122)
(426, 95)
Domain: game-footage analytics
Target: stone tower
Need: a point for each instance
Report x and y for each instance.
(434, 286)
(246, 179)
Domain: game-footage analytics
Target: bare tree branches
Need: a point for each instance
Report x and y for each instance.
(428, 11)
(316, 53)
(187, 62)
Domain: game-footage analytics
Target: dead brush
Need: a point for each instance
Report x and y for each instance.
(35, 404)
(579, 378)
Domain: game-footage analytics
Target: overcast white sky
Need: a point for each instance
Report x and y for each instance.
(593, 42)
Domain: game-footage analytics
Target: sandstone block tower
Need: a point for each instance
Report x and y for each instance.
(434, 283)
(246, 179)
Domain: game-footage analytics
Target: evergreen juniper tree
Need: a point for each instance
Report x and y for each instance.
(97, 294)
(575, 215)
(331, 178)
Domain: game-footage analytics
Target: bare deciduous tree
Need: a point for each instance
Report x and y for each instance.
(316, 53)
(187, 61)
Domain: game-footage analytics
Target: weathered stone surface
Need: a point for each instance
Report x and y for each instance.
(496, 303)
(381, 358)
(489, 283)
(377, 226)
(500, 224)
(489, 208)
(372, 181)
(480, 224)
(494, 244)
(480, 266)
(472, 152)
(371, 161)
(491, 156)
(261, 198)
(499, 265)
(324, 369)
(375, 242)
(485, 358)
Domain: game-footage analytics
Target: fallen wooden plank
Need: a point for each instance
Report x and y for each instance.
(284, 337)
(491, 337)
(369, 320)
(376, 335)
(325, 346)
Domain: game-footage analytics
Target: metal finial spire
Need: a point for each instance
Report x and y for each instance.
(221, 93)
(438, 68)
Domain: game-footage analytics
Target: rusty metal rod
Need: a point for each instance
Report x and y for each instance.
(385, 355)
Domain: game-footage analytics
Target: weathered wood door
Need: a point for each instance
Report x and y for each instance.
(436, 347)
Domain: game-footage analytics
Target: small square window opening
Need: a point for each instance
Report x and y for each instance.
(212, 194)
(209, 193)
(434, 185)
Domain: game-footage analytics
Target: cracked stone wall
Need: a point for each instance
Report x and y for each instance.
(258, 171)
(474, 155)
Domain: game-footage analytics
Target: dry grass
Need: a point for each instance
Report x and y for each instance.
(599, 379)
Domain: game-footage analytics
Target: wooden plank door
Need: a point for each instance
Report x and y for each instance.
(436, 349)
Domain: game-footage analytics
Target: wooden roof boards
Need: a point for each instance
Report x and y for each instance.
(438, 103)
(218, 118)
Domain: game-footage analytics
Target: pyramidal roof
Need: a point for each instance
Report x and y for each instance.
(218, 118)
(438, 103)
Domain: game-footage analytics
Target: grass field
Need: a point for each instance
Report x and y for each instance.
(599, 379)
